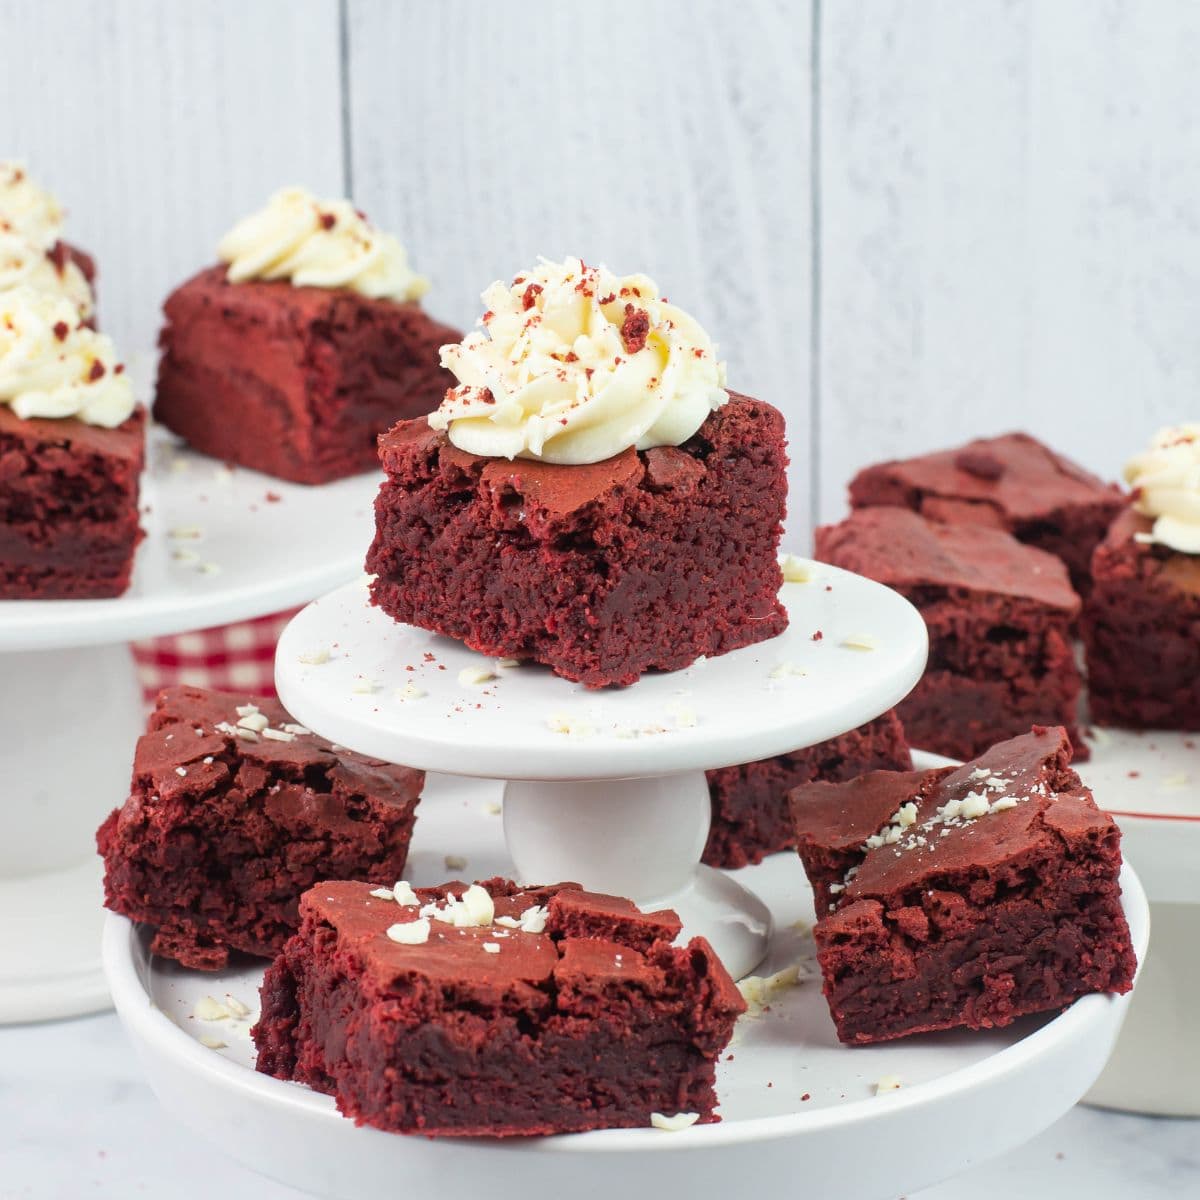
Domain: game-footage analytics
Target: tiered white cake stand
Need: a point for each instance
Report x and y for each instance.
(607, 789)
(217, 550)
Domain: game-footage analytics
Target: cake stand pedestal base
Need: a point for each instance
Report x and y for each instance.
(639, 838)
(70, 720)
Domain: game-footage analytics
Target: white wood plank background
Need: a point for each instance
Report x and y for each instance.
(158, 124)
(1007, 229)
(1010, 234)
(668, 138)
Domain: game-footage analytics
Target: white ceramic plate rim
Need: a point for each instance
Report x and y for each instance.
(133, 1002)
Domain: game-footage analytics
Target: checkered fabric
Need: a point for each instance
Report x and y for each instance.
(238, 658)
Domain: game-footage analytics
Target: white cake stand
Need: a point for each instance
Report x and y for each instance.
(217, 550)
(800, 1113)
(607, 788)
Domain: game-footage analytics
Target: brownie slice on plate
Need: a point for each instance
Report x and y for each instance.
(296, 382)
(750, 817)
(999, 615)
(602, 571)
(1012, 482)
(235, 811)
(1141, 628)
(68, 506)
(963, 897)
(495, 1010)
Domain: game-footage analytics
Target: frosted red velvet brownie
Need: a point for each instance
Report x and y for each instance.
(235, 810)
(590, 496)
(495, 1010)
(1012, 482)
(1141, 623)
(750, 814)
(72, 445)
(308, 344)
(963, 897)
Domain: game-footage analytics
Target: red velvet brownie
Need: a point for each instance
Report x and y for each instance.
(1141, 629)
(963, 897)
(68, 506)
(309, 342)
(235, 811)
(999, 615)
(1012, 482)
(71, 450)
(537, 1011)
(297, 382)
(750, 816)
(602, 571)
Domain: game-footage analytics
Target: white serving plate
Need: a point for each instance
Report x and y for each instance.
(965, 1097)
(1150, 781)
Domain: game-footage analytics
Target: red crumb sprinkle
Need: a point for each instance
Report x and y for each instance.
(119, 369)
(607, 299)
(328, 220)
(816, 637)
(806, 1096)
(570, 356)
(97, 372)
(531, 294)
(429, 657)
(273, 497)
(487, 316)
(698, 352)
(61, 329)
(1135, 774)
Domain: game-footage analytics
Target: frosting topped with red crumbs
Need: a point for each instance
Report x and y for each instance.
(575, 364)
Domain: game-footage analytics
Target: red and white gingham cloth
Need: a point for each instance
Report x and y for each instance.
(238, 658)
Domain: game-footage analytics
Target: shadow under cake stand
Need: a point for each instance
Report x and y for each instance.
(607, 788)
(222, 545)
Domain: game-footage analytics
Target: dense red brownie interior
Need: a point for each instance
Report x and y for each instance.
(68, 506)
(587, 1018)
(750, 817)
(645, 561)
(999, 615)
(297, 382)
(963, 897)
(1141, 627)
(1012, 482)
(230, 819)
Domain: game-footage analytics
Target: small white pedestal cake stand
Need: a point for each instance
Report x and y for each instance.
(607, 788)
(217, 550)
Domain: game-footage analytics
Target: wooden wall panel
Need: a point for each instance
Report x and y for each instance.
(158, 124)
(1009, 226)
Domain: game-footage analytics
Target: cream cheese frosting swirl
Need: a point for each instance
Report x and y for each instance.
(23, 264)
(52, 366)
(1166, 483)
(319, 243)
(26, 209)
(575, 364)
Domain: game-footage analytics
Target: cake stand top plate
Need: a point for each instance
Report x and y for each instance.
(799, 1111)
(402, 694)
(222, 544)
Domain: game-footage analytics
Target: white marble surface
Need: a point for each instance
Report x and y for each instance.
(76, 1120)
